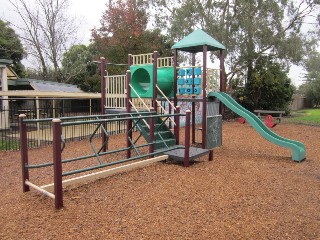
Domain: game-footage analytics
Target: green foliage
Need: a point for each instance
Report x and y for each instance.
(79, 69)
(124, 31)
(311, 91)
(11, 47)
(312, 66)
(270, 88)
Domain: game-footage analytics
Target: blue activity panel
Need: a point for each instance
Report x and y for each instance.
(180, 81)
(197, 90)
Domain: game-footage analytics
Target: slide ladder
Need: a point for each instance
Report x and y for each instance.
(297, 148)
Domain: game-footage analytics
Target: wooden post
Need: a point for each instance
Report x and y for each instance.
(129, 122)
(57, 165)
(222, 83)
(155, 80)
(186, 162)
(193, 103)
(175, 87)
(103, 99)
(204, 97)
(177, 126)
(24, 152)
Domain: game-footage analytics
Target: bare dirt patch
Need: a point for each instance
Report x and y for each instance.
(251, 190)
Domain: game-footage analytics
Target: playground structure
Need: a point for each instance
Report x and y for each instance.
(153, 87)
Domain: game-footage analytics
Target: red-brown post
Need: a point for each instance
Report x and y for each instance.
(57, 165)
(204, 97)
(155, 79)
(129, 122)
(24, 152)
(175, 87)
(222, 81)
(103, 98)
(177, 126)
(193, 103)
(186, 162)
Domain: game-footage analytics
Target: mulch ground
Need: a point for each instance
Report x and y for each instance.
(251, 190)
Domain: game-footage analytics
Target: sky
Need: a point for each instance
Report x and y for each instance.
(89, 13)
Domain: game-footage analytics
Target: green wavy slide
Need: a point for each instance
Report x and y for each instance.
(297, 148)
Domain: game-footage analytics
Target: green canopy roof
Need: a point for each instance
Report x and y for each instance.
(194, 42)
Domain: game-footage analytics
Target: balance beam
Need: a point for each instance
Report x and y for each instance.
(105, 173)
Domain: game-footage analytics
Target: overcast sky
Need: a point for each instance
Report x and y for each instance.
(89, 12)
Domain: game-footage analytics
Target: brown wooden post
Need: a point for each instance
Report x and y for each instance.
(204, 97)
(175, 87)
(186, 162)
(222, 82)
(57, 164)
(24, 152)
(193, 103)
(103, 99)
(177, 126)
(129, 122)
(155, 80)
(129, 61)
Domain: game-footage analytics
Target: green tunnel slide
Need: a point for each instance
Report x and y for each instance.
(297, 148)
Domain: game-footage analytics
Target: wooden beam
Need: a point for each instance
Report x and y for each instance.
(40, 189)
(31, 93)
(105, 173)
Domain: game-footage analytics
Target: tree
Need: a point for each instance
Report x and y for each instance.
(78, 68)
(312, 65)
(248, 29)
(311, 89)
(11, 47)
(124, 31)
(47, 30)
(270, 88)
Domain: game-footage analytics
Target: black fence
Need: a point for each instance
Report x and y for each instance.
(40, 133)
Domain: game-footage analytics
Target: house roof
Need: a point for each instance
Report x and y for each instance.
(195, 41)
(45, 86)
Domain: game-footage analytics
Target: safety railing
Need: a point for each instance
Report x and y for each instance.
(165, 62)
(55, 190)
(142, 59)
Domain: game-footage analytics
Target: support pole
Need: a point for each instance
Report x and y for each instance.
(57, 165)
(193, 103)
(175, 87)
(204, 97)
(24, 152)
(129, 122)
(177, 126)
(186, 162)
(155, 80)
(103, 99)
(222, 83)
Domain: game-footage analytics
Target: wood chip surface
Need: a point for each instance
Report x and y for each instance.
(251, 190)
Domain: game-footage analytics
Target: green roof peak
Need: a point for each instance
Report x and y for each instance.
(194, 42)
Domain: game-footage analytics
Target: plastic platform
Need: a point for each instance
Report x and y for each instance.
(178, 154)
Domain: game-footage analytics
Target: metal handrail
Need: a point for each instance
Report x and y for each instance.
(165, 97)
(165, 111)
(144, 104)
(134, 107)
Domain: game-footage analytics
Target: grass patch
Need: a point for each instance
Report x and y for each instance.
(9, 144)
(305, 116)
